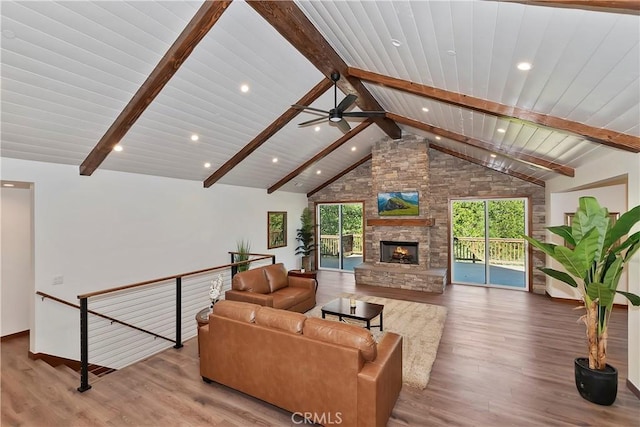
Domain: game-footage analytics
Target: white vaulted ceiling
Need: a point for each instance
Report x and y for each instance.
(69, 69)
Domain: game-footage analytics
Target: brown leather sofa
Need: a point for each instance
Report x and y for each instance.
(328, 372)
(271, 286)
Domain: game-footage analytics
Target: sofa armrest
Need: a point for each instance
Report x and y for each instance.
(302, 282)
(380, 382)
(252, 297)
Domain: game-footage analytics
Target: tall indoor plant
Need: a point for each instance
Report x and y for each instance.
(243, 249)
(305, 236)
(594, 262)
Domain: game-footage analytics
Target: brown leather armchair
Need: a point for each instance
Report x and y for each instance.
(329, 372)
(271, 286)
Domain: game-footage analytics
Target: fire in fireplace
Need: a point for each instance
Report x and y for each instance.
(399, 252)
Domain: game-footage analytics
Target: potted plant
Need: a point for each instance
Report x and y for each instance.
(305, 236)
(594, 256)
(243, 248)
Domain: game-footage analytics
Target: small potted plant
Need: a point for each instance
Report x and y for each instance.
(305, 236)
(594, 256)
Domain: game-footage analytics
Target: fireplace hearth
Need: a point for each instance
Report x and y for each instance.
(398, 252)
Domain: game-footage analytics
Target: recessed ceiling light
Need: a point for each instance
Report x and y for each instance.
(318, 172)
(493, 155)
(425, 109)
(207, 165)
(117, 148)
(244, 88)
(8, 185)
(274, 160)
(353, 148)
(438, 138)
(8, 34)
(317, 128)
(194, 137)
(524, 66)
(396, 42)
(501, 130)
(451, 52)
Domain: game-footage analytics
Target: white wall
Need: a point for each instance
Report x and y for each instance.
(611, 165)
(17, 260)
(614, 198)
(113, 229)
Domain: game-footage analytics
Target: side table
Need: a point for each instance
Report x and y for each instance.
(308, 274)
(202, 317)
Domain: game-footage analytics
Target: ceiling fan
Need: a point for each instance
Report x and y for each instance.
(337, 114)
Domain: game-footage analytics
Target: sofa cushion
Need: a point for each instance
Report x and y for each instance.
(242, 311)
(276, 276)
(341, 334)
(288, 297)
(251, 281)
(288, 321)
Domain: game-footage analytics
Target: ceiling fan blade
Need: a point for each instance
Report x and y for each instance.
(346, 102)
(311, 122)
(343, 126)
(304, 107)
(364, 114)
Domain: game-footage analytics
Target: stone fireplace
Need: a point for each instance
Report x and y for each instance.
(397, 248)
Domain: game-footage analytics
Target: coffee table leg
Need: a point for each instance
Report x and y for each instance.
(369, 324)
(381, 320)
(323, 314)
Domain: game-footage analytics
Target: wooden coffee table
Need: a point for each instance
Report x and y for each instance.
(363, 310)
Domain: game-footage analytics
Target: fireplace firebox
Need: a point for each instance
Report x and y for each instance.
(399, 252)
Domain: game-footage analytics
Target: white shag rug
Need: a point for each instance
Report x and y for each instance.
(420, 325)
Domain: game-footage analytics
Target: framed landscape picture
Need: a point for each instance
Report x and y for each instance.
(276, 229)
(398, 203)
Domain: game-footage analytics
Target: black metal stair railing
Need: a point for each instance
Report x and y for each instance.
(149, 286)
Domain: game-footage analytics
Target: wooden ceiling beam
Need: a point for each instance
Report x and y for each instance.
(631, 7)
(340, 175)
(268, 132)
(322, 154)
(287, 18)
(599, 135)
(505, 171)
(512, 154)
(204, 19)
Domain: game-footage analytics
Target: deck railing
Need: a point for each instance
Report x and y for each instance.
(351, 244)
(501, 251)
(131, 322)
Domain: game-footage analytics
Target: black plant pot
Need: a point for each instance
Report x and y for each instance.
(599, 387)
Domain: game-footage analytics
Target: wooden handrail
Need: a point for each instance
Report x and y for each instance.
(173, 277)
(95, 313)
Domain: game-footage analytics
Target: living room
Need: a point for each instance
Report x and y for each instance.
(116, 227)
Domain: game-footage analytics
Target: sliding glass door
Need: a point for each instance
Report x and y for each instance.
(486, 244)
(340, 227)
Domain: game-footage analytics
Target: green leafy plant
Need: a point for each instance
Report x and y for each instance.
(305, 236)
(243, 249)
(594, 265)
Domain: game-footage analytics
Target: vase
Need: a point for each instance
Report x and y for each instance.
(596, 386)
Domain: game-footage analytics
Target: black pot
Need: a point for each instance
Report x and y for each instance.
(599, 387)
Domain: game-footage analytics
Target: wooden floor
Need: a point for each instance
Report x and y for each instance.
(505, 359)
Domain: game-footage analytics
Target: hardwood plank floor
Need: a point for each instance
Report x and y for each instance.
(506, 358)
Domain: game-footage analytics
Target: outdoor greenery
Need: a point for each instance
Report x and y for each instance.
(593, 264)
(505, 219)
(351, 219)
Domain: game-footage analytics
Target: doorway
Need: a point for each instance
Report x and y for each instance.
(341, 238)
(487, 248)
